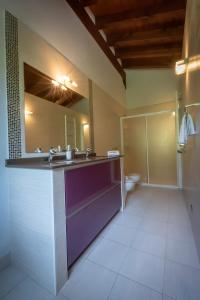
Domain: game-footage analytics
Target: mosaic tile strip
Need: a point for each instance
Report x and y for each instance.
(13, 96)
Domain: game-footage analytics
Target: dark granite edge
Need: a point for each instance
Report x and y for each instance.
(42, 163)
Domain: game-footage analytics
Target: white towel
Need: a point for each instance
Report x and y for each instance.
(187, 128)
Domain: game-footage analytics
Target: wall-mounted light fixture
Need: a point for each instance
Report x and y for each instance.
(191, 64)
(85, 125)
(63, 81)
(28, 113)
(181, 66)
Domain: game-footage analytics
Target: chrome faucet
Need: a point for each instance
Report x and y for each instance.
(52, 152)
(88, 151)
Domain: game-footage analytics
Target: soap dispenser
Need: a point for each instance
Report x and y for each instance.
(69, 153)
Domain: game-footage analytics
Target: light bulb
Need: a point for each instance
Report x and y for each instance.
(74, 84)
(63, 88)
(66, 78)
(56, 83)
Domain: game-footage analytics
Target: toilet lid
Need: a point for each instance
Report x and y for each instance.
(133, 176)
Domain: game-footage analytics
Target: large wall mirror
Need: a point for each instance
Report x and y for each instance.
(55, 115)
(56, 97)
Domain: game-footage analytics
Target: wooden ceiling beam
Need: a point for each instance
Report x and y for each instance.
(116, 39)
(145, 65)
(121, 51)
(154, 41)
(66, 101)
(143, 25)
(148, 63)
(85, 19)
(147, 12)
(164, 20)
(86, 3)
(148, 66)
(149, 53)
(154, 55)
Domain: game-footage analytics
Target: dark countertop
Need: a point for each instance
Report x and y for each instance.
(43, 164)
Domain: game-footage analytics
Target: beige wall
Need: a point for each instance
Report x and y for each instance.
(148, 87)
(190, 83)
(106, 117)
(152, 108)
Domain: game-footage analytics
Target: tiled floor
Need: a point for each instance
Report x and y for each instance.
(145, 253)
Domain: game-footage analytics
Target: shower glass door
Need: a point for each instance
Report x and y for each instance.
(135, 147)
(161, 132)
(149, 146)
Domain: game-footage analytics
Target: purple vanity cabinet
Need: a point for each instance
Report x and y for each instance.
(93, 197)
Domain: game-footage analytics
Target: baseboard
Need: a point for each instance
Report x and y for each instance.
(160, 185)
(4, 261)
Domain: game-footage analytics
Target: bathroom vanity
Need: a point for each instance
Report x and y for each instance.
(57, 210)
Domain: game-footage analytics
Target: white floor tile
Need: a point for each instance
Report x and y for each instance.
(150, 243)
(9, 279)
(182, 282)
(180, 233)
(109, 254)
(128, 219)
(139, 205)
(144, 268)
(179, 219)
(28, 289)
(168, 298)
(121, 234)
(155, 214)
(182, 252)
(60, 297)
(129, 290)
(154, 227)
(89, 282)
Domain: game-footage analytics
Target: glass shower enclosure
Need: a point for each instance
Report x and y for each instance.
(149, 146)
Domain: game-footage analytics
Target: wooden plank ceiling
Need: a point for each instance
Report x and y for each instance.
(143, 33)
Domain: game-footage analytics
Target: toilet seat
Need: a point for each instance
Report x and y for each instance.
(133, 177)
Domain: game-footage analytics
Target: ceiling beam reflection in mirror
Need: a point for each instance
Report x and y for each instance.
(54, 90)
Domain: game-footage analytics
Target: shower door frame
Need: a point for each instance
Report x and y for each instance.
(145, 115)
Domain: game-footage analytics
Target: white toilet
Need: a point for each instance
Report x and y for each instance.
(130, 181)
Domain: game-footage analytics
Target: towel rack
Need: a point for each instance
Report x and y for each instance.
(193, 104)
